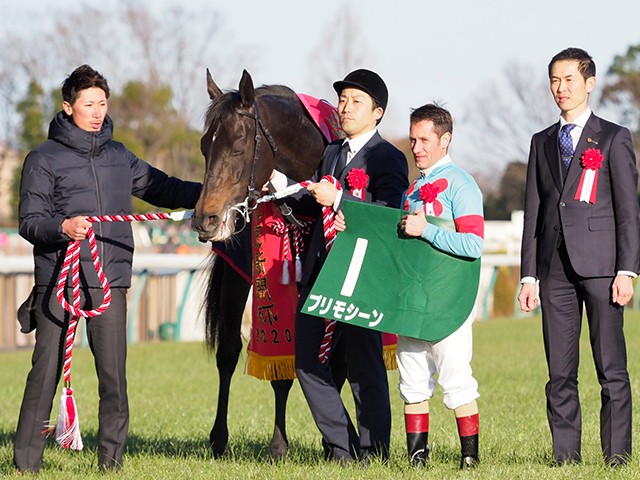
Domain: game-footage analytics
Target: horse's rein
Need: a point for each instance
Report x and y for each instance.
(253, 196)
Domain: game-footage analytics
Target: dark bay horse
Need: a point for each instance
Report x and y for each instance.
(247, 134)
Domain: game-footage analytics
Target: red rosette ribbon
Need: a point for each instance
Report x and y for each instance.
(428, 193)
(588, 186)
(358, 180)
(592, 158)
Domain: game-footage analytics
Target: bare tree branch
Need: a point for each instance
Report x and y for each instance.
(171, 48)
(502, 117)
(341, 49)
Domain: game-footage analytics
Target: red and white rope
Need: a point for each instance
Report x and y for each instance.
(281, 229)
(329, 227)
(66, 430)
(72, 260)
(286, 230)
(131, 218)
(298, 245)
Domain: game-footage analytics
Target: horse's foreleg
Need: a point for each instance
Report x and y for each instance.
(279, 443)
(233, 296)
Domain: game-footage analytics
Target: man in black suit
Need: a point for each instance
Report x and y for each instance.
(581, 240)
(362, 100)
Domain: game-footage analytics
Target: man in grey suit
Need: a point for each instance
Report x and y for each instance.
(581, 240)
(362, 99)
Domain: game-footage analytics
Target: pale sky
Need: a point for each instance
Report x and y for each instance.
(425, 50)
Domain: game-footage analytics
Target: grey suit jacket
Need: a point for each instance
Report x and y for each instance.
(601, 238)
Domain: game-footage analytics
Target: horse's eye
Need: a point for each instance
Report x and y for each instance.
(237, 153)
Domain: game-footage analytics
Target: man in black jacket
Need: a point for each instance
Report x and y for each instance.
(81, 171)
(362, 100)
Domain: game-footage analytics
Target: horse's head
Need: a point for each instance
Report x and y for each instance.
(229, 145)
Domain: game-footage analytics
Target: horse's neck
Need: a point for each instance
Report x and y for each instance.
(300, 148)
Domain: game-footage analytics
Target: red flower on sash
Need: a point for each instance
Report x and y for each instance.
(357, 180)
(588, 186)
(428, 193)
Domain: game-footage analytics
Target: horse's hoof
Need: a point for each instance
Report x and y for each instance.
(279, 445)
(217, 451)
(218, 443)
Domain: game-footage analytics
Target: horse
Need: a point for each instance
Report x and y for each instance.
(237, 165)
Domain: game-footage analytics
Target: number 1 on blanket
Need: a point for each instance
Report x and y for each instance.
(355, 266)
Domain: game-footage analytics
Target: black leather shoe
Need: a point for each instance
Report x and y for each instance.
(469, 448)
(418, 448)
(469, 462)
(420, 458)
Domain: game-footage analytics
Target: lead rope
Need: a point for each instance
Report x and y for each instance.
(67, 428)
(329, 227)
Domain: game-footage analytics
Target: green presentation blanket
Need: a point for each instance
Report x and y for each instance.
(377, 277)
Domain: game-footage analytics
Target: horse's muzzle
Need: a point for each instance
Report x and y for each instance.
(208, 227)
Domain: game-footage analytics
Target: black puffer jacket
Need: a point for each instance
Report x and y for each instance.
(77, 172)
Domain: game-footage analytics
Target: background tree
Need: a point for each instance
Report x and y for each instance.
(132, 42)
(155, 61)
(502, 116)
(146, 122)
(509, 196)
(622, 91)
(340, 50)
(32, 111)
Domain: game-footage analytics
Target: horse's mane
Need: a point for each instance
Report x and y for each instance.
(229, 102)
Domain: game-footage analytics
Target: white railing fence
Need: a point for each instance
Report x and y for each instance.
(163, 302)
(166, 294)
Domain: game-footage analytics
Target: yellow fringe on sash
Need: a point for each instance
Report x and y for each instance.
(271, 368)
(389, 354)
(284, 367)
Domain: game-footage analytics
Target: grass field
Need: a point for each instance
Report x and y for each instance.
(172, 394)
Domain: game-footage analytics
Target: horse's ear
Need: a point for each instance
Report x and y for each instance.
(246, 90)
(212, 88)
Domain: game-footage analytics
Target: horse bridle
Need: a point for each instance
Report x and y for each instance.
(251, 202)
(253, 194)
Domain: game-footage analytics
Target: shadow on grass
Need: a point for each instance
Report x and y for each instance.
(244, 447)
(7, 437)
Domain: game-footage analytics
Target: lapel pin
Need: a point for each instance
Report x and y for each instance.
(591, 140)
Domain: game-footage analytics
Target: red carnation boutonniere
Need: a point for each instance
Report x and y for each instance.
(357, 180)
(588, 186)
(428, 193)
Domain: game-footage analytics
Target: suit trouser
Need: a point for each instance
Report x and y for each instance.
(108, 342)
(562, 297)
(368, 379)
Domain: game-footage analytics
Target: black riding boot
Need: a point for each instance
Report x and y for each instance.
(418, 448)
(469, 452)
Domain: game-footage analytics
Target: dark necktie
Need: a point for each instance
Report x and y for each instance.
(566, 144)
(342, 159)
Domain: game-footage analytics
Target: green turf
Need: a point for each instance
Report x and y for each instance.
(173, 387)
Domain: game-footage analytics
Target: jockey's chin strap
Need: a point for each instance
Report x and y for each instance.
(251, 202)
